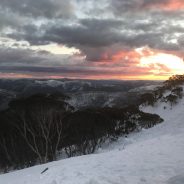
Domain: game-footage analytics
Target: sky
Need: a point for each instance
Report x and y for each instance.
(88, 39)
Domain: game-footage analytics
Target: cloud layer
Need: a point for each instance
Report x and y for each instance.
(107, 34)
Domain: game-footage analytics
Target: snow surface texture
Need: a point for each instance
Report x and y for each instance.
(145, 88)
(153, 156)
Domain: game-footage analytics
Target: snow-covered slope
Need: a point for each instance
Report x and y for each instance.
(145, 88)
(153, 156)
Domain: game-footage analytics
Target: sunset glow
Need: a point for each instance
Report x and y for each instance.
(114, 39)
(174, 63)
(172, 5)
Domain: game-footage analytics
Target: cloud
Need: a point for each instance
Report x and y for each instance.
(119, 7)
(76, 72)
(96, 37)
(107, 35)
(12, 57)
(101, 40)
(168, 5)
(26, 62)
(39, 8)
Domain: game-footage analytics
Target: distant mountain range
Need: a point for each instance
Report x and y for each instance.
(82, 93)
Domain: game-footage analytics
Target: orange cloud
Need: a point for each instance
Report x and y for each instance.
(15, 75)
(132, 56)
(170, 5)
(141, 63)
(147, 62)
(174, 5)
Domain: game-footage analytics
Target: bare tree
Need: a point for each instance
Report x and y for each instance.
(42, 131)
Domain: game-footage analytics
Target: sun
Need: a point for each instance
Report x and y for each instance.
(172, 62)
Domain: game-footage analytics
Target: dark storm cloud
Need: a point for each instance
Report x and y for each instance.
(10, 56)
(94, 37)
(39, 8)
(31, 33)
(99, 30)
(9, 20)
(154, 2)
(26, 61)
(181, 42)
(17, 57)
(121, 6)
(70, 71)
(90, 32)
(74, 70)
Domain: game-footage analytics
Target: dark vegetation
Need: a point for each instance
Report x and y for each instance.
(39, 128)
(172, 85)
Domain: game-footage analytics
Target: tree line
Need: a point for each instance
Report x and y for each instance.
(173, 85)
(39, 128)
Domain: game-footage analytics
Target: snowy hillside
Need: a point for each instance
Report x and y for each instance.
(147, 157)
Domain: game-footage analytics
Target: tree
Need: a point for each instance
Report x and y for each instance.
(178, 91)
(172, 99)
(39, 120)
(147, 99)
(174, 81)
(42, 132)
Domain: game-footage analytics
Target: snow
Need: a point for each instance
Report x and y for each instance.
(103, 99)
(64, 84)
(51, 83)
(147, 157)
(145, 88)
